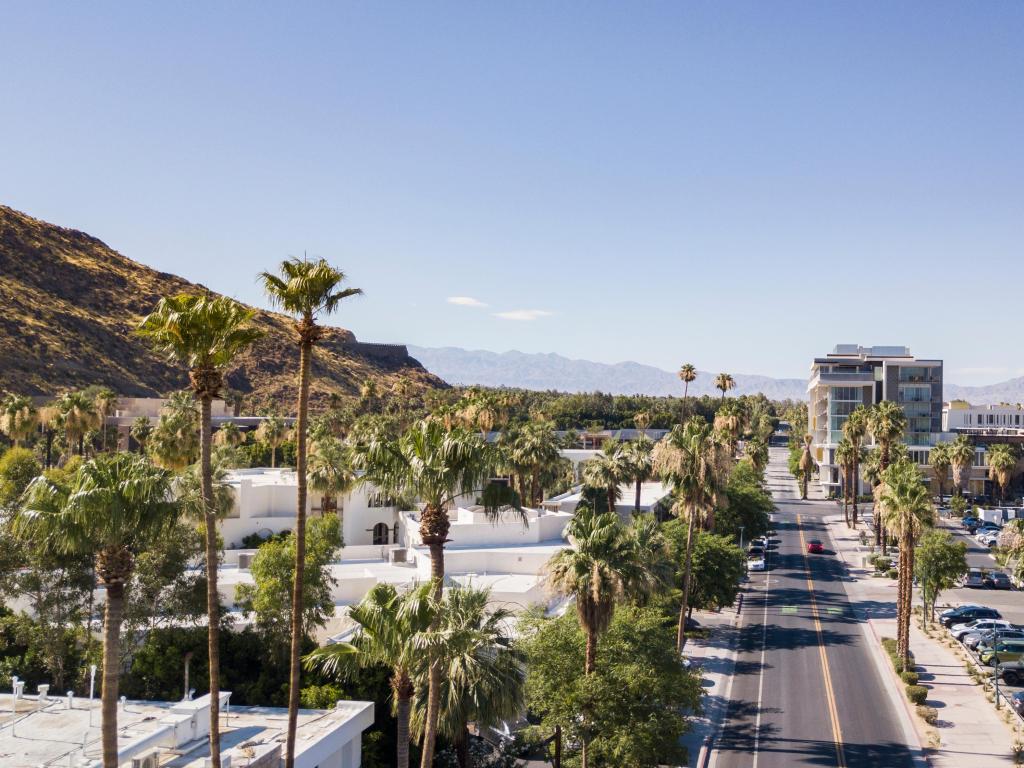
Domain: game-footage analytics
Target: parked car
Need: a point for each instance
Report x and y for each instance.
(815, 547)
(755, 550)
(969, 613)
(1017, 702)
(997, 580)
(975, 578)
(969, 521)
(979, 641)
(989, 540)
(756, 564)
(1004, 650)
(1011, 672)
(960, 630)
(764, 541)
(954, 612)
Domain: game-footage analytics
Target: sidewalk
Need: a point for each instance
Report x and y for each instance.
(969, 733)
(715, 657)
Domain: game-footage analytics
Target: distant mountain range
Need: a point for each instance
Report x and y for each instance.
(552, 371)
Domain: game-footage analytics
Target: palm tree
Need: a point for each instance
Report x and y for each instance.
(330, 472)
(140, 431)
(272, 431)
(846, 457)
(112, 507)
(229, 434)
(724, 382)
(204, 334)
(687, 373)
(605, 471)
(756, 449)
(642, 420)
(807, 465)
(694, 460)
(78, 416)
(19, 418)
(483, 674)
(532, 452)
(1002, 460)
(905, 506)
(856, 428)
(175, 441)
(390, 627)
(887, 423)
(939, 459)
(635, 457)
(729, 419)
(105, 401)
(307, 290)
(603, 565)
(437, 466)
(961, 459)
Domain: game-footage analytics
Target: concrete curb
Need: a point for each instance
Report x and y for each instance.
(911, 735)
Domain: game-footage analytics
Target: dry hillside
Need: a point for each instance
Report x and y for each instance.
(69, 303)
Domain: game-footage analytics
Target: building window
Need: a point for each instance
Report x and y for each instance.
(380, 533)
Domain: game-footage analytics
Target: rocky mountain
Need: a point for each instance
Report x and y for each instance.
(1009, 391)
(69, 304)
(551, 371)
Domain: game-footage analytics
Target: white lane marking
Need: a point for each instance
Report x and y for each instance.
(760, 680)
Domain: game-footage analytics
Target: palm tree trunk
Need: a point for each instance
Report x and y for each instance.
(907, 555)
(273, 456)
(686, 389)
(636, 506)
(111, 666)
(856, 488)
(305, 352)
(403, 695)
(611, 499)
(435, 542)
(212, 598)
(462, 748)
(681, 630)
(558, 747)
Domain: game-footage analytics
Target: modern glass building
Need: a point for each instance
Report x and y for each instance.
(852, 375)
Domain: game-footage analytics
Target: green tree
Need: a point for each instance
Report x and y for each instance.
(694, 461)
(436, 465)
(847, 458)
(855, 428)
(1002, 461)
(175, 443)
(606, 471)
(637, 465)
(112, 508)
(887, 423)
(745, 504)
(18, 467)
(272, 431)
(391, 630)
(636, 701)
(483, 678)
(204, 334)
(19, 418)
(533, 457)
(961, 459)
(718, 564)
(938, 458)
(78, 415)
(807, 465)
(229, 435)
(724, 382)
(331, 473)
(939, 564)
(140, 431)
(905, 509)
(687, 374)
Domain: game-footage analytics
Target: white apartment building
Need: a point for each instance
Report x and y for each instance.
(983, 420)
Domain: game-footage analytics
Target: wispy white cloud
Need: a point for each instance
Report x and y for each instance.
(465, 301)
(522, 314)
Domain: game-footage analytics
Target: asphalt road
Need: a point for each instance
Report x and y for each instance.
(805, 691)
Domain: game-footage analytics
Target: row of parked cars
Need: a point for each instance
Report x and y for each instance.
(995, 642)
(757, 553)
(985, 532)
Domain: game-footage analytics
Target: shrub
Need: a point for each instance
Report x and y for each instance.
(890, 645)
(929, 714)
(917, 694)
(909, 677)
(882, 563)
(893, 573)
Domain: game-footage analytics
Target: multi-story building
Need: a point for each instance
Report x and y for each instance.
(986, 424)
(851, 376)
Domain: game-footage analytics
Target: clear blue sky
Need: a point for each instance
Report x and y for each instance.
(740, 185)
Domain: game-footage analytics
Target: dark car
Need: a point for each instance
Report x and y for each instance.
(969, 614)
(815, 547)
(1011, 672)
(969, 521)
(997, 580)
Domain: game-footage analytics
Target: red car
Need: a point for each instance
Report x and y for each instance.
(815, 547)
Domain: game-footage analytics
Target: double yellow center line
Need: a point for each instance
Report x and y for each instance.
(830, 697)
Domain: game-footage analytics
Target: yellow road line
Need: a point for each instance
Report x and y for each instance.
(830, 697)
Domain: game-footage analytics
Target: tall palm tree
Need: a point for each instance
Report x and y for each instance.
(532, 452)
(1002, 460)
(636, 464)
(906, 507)
(111, 508)
(961, 459)
(806, 465)
(330, 472)
(724, 382)
(204, 334)
(687, 374)
(78, 416)
(756, 449)
(436, 465)
(175, 441)
(605, 471)
(603, 565)
(887, 423)
(51, 421)
(307, 290)
(19, 418)
(846, 457)
(856, 429)
(140, 431)
(105, 400)
(390, 627)
(642, 420)
(939, 459)
(483, 673)
(272, 431)
(229, 434)
(693, 459)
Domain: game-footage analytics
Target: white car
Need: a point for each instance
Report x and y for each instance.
(959, 631)
(988, 539)
(756, 564)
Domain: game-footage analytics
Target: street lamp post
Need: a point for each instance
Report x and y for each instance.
(995, 655)
(741, 550)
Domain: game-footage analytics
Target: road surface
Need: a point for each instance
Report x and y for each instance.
(806, 692)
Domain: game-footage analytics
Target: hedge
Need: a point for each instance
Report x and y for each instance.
(909, 677)
(929, 714)
(917, 694)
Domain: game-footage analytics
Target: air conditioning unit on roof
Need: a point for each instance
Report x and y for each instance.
(148, 760)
